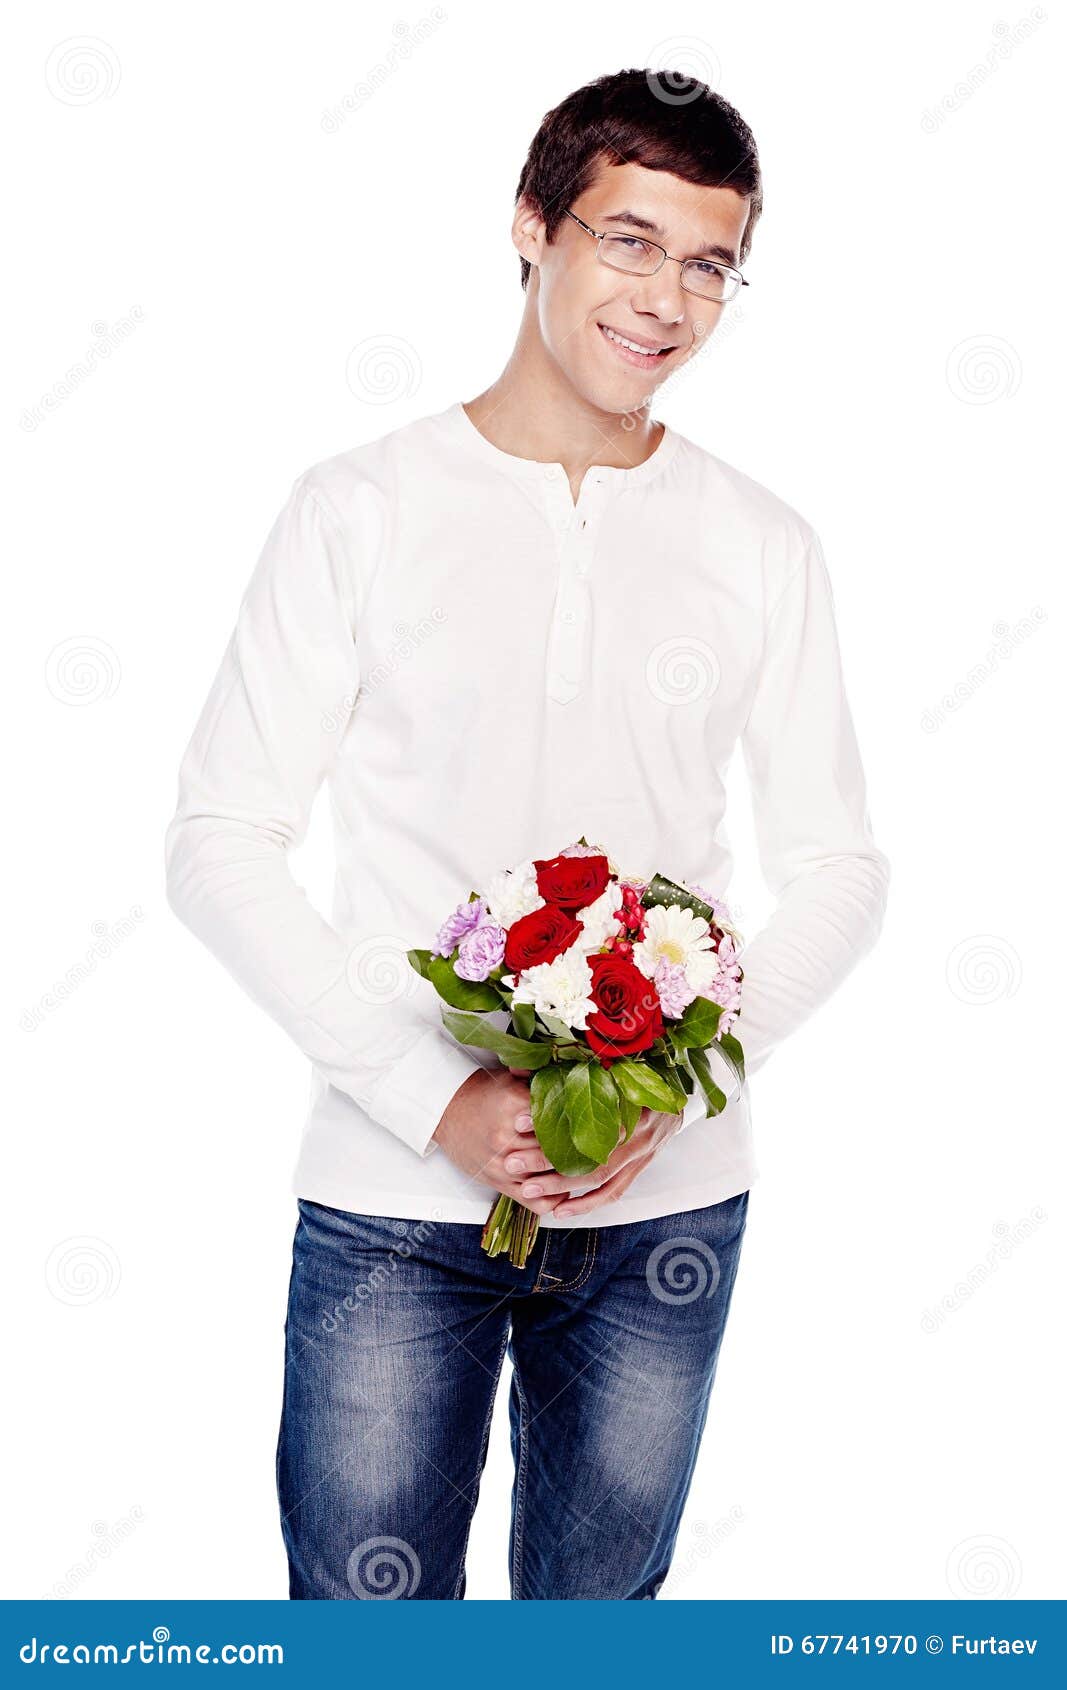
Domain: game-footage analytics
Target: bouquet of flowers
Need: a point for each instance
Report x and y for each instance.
(614, 989)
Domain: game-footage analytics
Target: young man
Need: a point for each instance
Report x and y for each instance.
(537, 616)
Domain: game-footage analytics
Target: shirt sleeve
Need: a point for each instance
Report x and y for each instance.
(816, 849)
(265, 742)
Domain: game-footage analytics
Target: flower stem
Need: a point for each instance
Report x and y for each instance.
(510, 1228)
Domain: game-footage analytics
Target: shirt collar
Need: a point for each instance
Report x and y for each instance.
(459, 425)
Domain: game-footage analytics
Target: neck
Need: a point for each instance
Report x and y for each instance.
(533, 411)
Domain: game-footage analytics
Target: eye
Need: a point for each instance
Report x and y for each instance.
(704, 267)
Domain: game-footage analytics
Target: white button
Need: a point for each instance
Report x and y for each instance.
(568, 616)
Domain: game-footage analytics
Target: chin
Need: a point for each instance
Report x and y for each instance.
(624, 399)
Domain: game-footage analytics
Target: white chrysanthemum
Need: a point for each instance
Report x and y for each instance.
(513, 893)
(560, 988)
(599, 920)
(675, 934)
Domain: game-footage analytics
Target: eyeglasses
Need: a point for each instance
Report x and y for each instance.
(638, 257)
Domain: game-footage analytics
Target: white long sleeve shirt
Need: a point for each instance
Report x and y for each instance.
(483, 671)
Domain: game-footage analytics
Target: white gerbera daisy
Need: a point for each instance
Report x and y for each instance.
(675, 934)
(513, 893)
(560, 988)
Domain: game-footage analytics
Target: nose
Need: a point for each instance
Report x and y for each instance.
(662, 295)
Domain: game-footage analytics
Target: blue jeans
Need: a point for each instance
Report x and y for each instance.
(394, 1340)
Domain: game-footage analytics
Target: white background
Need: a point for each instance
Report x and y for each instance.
(882, 1423)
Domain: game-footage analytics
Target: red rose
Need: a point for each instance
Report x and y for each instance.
(628, 1017)
(539, 937)
(571, 882)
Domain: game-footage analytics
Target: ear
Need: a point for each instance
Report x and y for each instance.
(528, 232)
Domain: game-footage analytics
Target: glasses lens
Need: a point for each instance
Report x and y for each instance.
(708, 280)
(629, 252)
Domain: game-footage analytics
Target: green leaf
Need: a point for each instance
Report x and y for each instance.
(472, 1029)
(552, 1124)
(697, 1026)
(734, 1055)
(420, 962)
(660, 890)
(629, 1113)
(715, 1099)
(668, 1072)
(523, 1017)
(642, 1085)
(592, 1105)
(461, 994)
(558, 1029)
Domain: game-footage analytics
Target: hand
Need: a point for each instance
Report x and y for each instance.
(622, 1167)
(487, 1131)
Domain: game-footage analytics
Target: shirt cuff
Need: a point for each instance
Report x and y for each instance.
(419, 1088)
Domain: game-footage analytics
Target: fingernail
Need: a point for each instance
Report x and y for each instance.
(524, 1120)
(514, 1164)
(533, 1190)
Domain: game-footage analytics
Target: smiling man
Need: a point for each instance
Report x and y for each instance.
(531, 617)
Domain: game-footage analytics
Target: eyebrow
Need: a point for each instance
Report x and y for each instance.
(712, 250)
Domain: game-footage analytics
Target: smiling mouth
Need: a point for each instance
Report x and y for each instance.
(642, 357)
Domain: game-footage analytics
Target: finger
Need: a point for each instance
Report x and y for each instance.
(545, 1183)
(526, 1162)
(551, 1184)
(539, 1205)
(521, 1073)
(523, 1122)
(606, 1193)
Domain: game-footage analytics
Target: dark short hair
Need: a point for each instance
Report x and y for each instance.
(659, 119)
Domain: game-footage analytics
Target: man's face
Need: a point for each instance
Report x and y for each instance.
(581, 304)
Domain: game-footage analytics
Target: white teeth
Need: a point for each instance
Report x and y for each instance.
(629, 344)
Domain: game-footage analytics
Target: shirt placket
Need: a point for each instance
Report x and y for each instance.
(576, 528)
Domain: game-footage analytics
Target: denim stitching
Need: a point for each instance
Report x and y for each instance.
(539, 1285)
(520, 1489)
(587, 1265)
(481, 1460)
